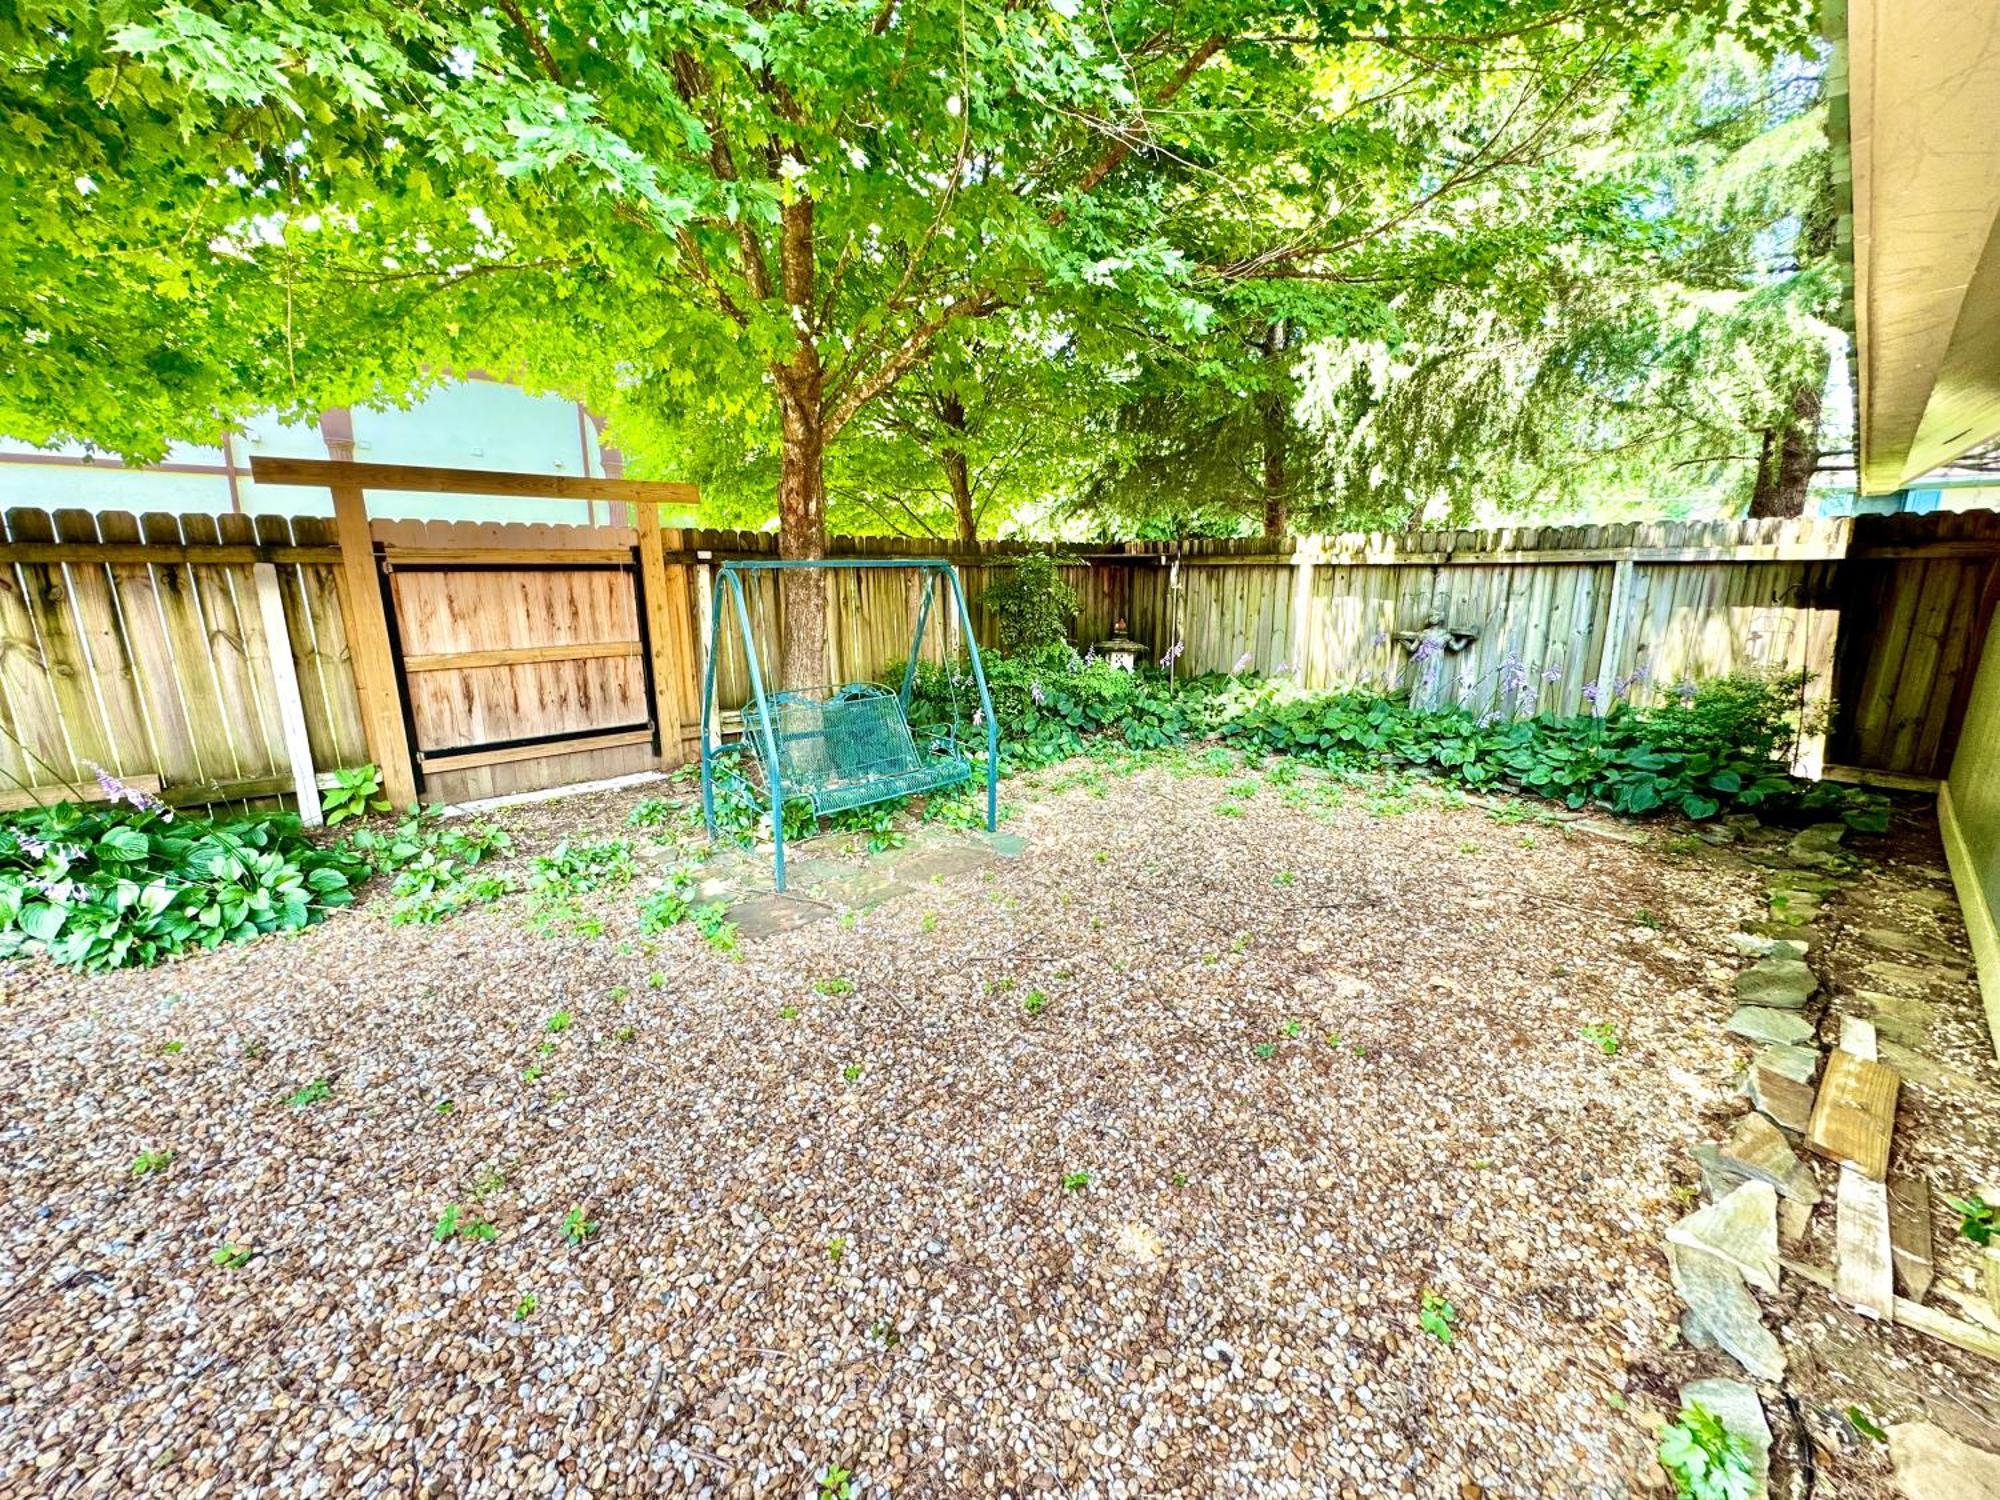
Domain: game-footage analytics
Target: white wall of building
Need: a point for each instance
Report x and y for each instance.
(470, 424)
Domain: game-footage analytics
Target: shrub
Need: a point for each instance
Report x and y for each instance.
(108, 887)
(1048, 705)
(1033, 604)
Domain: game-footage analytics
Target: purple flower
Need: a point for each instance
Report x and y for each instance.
(1035, 692)
(1428, 646)
(978, 717)
(31, 846)
(1685, 690)
(1243, 662)
(1552, 673)
(1090, 657)
(1173, 654)
(1590, 694)
(117, 791)
(1282, 669)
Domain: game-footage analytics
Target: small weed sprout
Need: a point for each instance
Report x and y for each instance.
(1034, 1004)
(457, 1223)
(231, 1257)
(836, 1247)
(1075, 1182)
(1266, 1050)
(1705, 1459)
(1978, 1220)
(788, 1012)
(147, 1162)
(1605, 1035)
(576, 1228)
(1284, 877)
(558, 1023)
(525, 1308)
(171, 1049)
(1436, 1315)
(311, 1093)
(1293, 1028)
(833, 988)
(835, 1483)
(851, 1073)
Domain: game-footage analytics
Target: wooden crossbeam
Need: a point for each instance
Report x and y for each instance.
(327, 473)
(445, 760)
(518, 656)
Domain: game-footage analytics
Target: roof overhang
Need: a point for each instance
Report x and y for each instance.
(1922, 116)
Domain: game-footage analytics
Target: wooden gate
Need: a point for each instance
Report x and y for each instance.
(519, 666)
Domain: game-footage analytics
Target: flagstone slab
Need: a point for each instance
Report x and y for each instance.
(1741, 1227)
(768, 913)
(1715, 1293)
(1800, 1064)
(1760, 1023)
(939, 862)
(1783, 983)
(1758, 1150)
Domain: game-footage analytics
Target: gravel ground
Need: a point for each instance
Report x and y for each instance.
(798, 1264)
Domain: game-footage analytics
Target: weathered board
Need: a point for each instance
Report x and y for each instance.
(1854, 1114)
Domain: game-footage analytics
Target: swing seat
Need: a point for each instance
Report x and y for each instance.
(852, 746)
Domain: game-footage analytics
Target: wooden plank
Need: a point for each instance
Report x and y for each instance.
(367, 623)
(460, 762)
(1910, 1314)
(334, 474)
(661, 590)
(13, 799)
(113, 673)
(1863, 1276)
(1910, 1234)
(493, 557)
(45, 591)
(450, 661)
(211, 735)
(1854, 1114)
(1888, 781)
(285, 690)
(165, 554)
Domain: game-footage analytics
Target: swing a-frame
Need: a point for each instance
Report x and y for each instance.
(848, 745)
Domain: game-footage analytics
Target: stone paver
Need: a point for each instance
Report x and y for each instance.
(1931, 1464)
(1760, 1023)
(1714, 1292)
(1781, 983)
(1741, 1228)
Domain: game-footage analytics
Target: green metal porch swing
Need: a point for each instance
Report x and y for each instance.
(849, 745)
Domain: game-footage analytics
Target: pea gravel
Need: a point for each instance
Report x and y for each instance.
(1307, 1053)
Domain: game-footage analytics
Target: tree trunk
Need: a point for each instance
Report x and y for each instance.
(1790, 455)
(958, 470)
(802, 471)
(1277, 435)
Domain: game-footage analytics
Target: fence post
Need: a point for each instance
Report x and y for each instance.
(285, 678)
(666, 631)
(1305, 555)
(1614, 633)
(368, 644)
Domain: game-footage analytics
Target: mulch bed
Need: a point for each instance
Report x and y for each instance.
(1317, 1048)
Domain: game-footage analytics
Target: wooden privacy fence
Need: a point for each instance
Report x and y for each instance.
(229, 659)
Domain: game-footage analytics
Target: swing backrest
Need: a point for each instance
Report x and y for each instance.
(847, 747)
